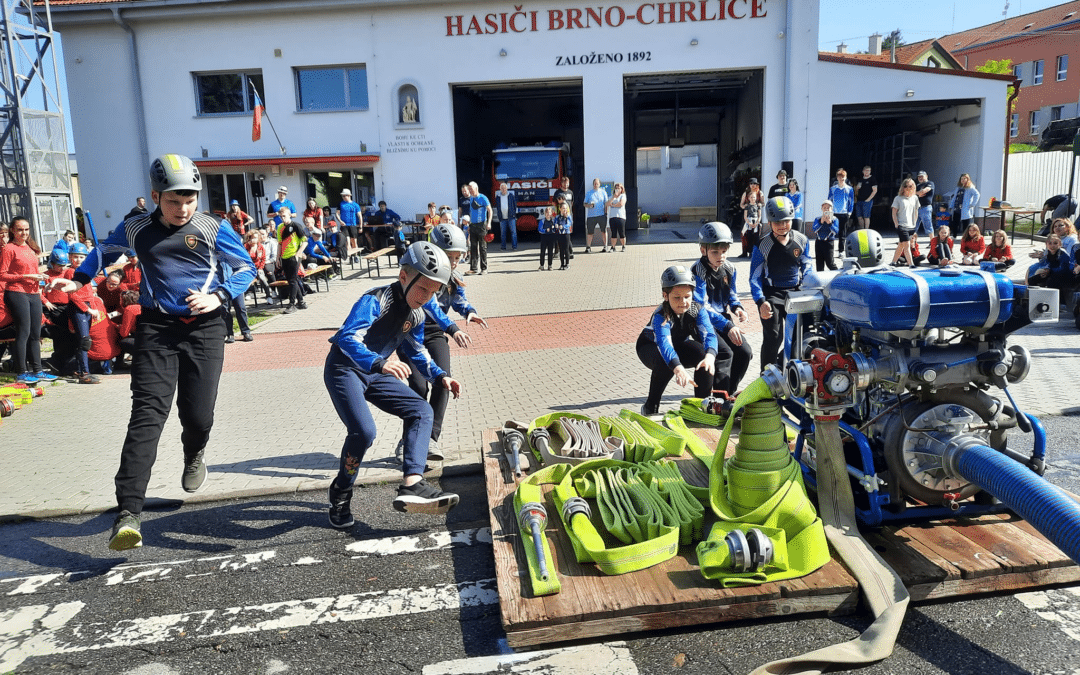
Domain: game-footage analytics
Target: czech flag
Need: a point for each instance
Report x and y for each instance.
(256, 118)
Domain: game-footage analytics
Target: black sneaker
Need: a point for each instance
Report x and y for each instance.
(229, 339)
(125, 532)
(423, 497)
(194, 473)
(340, 514)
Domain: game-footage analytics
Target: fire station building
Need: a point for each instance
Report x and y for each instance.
(404, 101)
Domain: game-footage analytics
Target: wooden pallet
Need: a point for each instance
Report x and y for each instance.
(936, 560)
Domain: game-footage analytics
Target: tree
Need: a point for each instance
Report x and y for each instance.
(999, 67)
(893, 37)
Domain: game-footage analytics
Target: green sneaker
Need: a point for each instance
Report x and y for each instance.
(125, 532)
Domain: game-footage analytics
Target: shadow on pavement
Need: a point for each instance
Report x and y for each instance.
(304, 466)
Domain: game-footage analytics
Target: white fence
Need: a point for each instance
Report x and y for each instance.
(1036, 176)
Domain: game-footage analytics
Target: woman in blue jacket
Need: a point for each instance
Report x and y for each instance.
(678, 332)
(964, 200)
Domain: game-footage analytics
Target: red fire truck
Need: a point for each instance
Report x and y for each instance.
(533, 173)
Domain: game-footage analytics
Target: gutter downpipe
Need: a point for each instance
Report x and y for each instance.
(1008, 128)
(789, 76)
(137, 83)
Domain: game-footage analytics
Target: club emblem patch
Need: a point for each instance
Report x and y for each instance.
(191, 240)
(796, 252)
(406, 327)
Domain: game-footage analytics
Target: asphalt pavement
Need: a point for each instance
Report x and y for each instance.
(247, 577)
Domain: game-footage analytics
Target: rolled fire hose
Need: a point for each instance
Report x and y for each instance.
(884, 591)
(761, 487)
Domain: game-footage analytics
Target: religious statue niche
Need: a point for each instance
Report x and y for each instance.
(408, 105)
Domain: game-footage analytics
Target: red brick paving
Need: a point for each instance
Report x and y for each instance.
(307, 349)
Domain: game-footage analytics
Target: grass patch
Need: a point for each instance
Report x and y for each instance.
(254, 319)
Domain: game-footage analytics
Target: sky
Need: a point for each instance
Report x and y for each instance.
(854, 21)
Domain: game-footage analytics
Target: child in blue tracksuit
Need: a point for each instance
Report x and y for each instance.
(826, 229)
(546, 228)
(437, 326)
(357, 370)
(714, 290)
(1054, 270)
(778, 266)
(564, 226)
(678, 332)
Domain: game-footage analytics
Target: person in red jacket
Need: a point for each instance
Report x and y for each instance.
(972, 245)
(110, 291)
(104, 337)
(129, 319)
(22, 295)
(132, 273)
(999, 252)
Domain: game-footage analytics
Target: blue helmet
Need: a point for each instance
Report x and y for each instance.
(79, 248)
(131, 253)
(59, 257)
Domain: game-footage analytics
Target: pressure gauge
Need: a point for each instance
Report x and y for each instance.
(838, 382)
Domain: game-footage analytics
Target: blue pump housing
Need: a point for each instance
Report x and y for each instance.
(893, 300)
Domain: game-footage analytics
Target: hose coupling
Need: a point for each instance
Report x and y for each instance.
(573, 506)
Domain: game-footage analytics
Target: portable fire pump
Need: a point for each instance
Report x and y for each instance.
(912, 363)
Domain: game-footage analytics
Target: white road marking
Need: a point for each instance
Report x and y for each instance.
(1060, 606)
(412, 544)
(612, 658)
(43, 629)
(187, 568)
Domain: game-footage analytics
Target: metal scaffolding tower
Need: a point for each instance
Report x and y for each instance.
(35, 180)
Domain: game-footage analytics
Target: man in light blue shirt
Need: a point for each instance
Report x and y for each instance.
(596, 215)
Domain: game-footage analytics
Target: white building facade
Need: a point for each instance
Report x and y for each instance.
(403, 101)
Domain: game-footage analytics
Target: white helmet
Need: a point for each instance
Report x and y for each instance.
(449, 238)
(428, 260)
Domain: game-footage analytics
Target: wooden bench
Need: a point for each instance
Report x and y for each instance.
(322, 272)
(374, 256)
(349, 253)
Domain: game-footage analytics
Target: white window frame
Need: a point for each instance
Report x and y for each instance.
(1037, 68)
(1062, 67)
(1014, 125)
(1033, 122)
(249, 100)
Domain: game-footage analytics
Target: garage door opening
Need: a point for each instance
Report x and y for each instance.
(543, 115)
(693, 141)
(897, 140)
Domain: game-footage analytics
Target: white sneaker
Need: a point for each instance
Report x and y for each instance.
(434, 451)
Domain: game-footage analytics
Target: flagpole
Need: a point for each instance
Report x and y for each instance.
(270, 121)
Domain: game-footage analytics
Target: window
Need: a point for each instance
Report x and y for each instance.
(336, 88)
(1062, 67)
(227, 93)
(1018, 71)
(1033, 121)
(1055, 113)
(648, 160)
(1014, 125)
(221, 189)
(931, 62)
(1037, 72)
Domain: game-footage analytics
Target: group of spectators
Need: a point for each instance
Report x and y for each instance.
(91, 329)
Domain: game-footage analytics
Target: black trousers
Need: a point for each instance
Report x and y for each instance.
(547, 247)
(841, 227)
(732, 362)
(772, 339)
(477, 248)
(438, 346)
(563, 241)
(291, 268)
(823, 255)
(25, 310)
(690, 354)
(174, 358)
